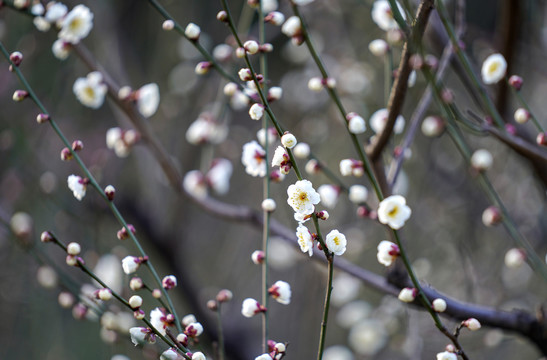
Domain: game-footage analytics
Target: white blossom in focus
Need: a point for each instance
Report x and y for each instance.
(76, 25)
(281, 292)
(130, 264)
(77, 185)
(336, 242)
(256, 111)
(253, 158)
(90, 90)
(393, 211)
(305, 240)
(493, 69)
(158, 320)
(250, 307)
(302, 197)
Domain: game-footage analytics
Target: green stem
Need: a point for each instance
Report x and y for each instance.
(221, 350)
(323, 335)
(524, 104)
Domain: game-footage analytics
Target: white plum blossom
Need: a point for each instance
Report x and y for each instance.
(482, 160)
(292, 26)
(336, 242)
(393, 211)
(76, 25)
(301, 150)
(358, 194)
(288, 140)
(194, 184)
(493, 69)
(77, 185)
(264, 357)
(256, 111)
(130, 264)
(302, 197)
(268, 205)
(383, 16)
(198, 356)
(329, 195)
(41, 24)
(218, 177)
(302, 2)
(188, 319)
(521, 115)
(141, 336)
(55, 11)
(205, 129)
(408, 295)
(387, 252)
(170, 354)
(90, 90)
(192, 31)
(250, 307)
(378, 121)
(280, 156)
(281, 292)
(439, 305)
(514, 258)
(357, 125)
(148, 99)
(60, 49)
(253, 158)
(305, 240)
(378, 47)
(194, 329)
(472, 324)
(445, 355)
(158, 320)
(269, 6)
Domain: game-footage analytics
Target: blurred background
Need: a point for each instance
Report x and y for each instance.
(447, 242)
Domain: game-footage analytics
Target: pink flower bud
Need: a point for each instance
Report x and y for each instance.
(541, 139)
(258, 257)
(224, 295)
(516, 82)
(109, 192)
(66, 154)
(20, 95)
(222, 16)
(169, 282)
(16, 58)
(42, 118)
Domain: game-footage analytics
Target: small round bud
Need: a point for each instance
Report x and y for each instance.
(42, 118)
(315, 84)
(224, 295)
(514, 258)
(408, 295)
(516, 82)
(439, 305)
(312, 167)
(188, 319)
(491, 216)
(139, 314)
(183, 339)
(135, 302)
(356, 124)
(168, 25)
(104, 294)
(109, 192)
(358, 194)
(432, 126)
(416, 62)
(136, 284)
(378, 47)
(212, 305)
(288, 140)
(240, 53)
(275, 93)
(192, 31)
(431, 61)
(123, 234)
(268, 205)
(331, 83)
(245, 74)
(275, 18)
(482, 160)
(169, 282)
(472, 324)
(258, 257)
(266, 48)
(125, 92)
(251, 47)
(280, 348)
(77, 145)
(46, 237)
(66, 154)
(156, 293)
(521, 115)
(230, 89)
(256, 111)
(16, 58)
(394, 36)
(323, 215)
(301, 150)
(447, 96)
(541, 139)
(511, 129)
(65, 299)
(73, 248)
(71, 260)
(20, 95)
(203, 67)
(222, 16)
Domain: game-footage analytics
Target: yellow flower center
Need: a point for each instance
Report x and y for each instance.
(336, 241)
(493, 67)
(393, 211)
(89, 92)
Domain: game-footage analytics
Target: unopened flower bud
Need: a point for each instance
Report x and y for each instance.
(323, 215)
(230, 89)
(431, 61)
(240, 52)
(288, 140)
(330, 83)
(168, 25)
(416, 62)
(315, 84)
(472, 324)
(275, 93)
(268, 205)
(516, 82)
(511, 129)
(169, 282)
(491, 216)
(447, 96)
(514, 258)
(73, 248)
(136, 284)
(251, 47)
(482, 160)
(439, 305)
(16, 58)
(183, 339)
(135, 302)
(104, 294)
(312, 167)
(139, 314)
(20, 95)
(266, 48)
(222, 16)
(71, 260)
(245, 74)
(109, 192)
(521, 115)
(203, 67)
(432, 126)
(212, 305)
(275, 18)
(122, 234)
(258, 257)
(256, 111)
(192, 31)
(356, 124)
(42, 118)
(66, 154)
(125, 92)
(65, 299)
(156, 293)
(541, 139)
(224, 295)
(408, 295)
(378, 47)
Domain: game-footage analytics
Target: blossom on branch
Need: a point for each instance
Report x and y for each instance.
(90, 90)
(302, 197)
(393, 211)
(254, 159)
(76, 25)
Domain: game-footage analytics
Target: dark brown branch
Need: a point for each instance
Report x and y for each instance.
(398, 91)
